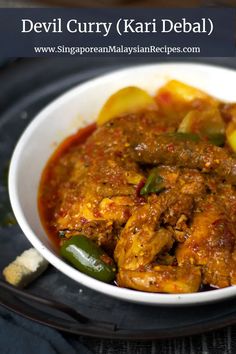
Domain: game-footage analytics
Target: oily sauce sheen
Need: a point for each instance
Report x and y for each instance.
(53, 175)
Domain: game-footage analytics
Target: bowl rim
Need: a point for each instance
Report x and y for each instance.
(107, 289)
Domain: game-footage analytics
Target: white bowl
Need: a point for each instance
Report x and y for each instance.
(74, 109)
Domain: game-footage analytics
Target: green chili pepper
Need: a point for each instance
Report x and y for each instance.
(207, 124)
(216, 139)
(154, 183)
(185, 136)
(88, 258)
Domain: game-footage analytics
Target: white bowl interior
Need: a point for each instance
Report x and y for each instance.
(77, 108)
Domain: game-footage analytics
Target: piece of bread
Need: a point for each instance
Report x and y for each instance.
(25, 268)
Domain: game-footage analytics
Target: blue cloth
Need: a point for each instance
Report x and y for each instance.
(21, 336)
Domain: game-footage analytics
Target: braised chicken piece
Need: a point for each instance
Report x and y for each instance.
(178, 150)
(211, 243)
(99, 190)
(162, 279)
(154, 188)
(143, 238)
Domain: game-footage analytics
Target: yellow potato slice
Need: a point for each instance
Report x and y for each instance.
(175, 99)
(205, 122)
(231, 138)
(125, 101)
(231, 135)
(184, 92)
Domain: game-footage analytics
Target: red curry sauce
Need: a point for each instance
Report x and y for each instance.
(50, 180)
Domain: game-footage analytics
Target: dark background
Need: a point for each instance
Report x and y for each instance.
(222, 341)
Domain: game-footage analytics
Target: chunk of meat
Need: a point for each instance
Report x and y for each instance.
(98, 190)
(171, 150)
(190, 181)
(98, 187)
(116, 208)
(211, 244)
(162, 279)
(182, 206)
(227, 196)
(142, 239)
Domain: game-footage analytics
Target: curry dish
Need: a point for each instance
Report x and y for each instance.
(152, 184)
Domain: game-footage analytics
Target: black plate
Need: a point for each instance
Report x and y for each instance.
(55, 300)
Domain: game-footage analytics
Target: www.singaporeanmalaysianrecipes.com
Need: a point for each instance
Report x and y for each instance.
(70, 50)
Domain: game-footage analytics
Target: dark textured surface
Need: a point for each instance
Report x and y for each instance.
(26, 86)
